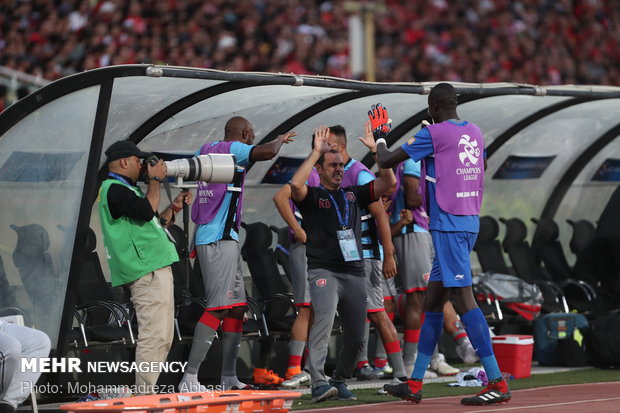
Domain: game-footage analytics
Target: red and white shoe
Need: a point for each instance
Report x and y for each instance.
(496, 392)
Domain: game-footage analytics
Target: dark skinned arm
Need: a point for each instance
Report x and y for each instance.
(268, 150)
(389, 159)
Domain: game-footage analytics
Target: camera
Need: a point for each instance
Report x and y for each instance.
(217, 168)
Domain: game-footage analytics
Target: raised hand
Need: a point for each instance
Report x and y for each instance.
(380, 122)
(320, 140)
(368, 140)
(287, 137)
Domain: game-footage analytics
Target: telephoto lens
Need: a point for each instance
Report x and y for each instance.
(215, 167)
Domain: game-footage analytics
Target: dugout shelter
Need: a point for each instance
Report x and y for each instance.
(552, 152)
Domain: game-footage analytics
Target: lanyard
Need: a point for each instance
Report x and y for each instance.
(120, 178)
(343, 223)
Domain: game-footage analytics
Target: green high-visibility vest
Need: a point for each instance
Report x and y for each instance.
(134, 247)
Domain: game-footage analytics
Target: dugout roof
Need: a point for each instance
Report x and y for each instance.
(552, 152)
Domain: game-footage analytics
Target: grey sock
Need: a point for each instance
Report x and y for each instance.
(231, 342)
(203, 337)
(296, 348)
(396, 361)
(411, 349)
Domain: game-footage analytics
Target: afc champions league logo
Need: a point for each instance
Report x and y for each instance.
(470, 152)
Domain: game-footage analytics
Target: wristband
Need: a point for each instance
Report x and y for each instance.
(380, 140)
(175, 208)
(373, 153)
(154, 178)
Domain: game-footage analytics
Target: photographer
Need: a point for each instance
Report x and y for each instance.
(139, 249)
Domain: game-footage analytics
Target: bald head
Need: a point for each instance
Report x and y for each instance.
(442, 102)
(444, 94)
(239, 128)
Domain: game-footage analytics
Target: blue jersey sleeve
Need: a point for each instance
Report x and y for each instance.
(412, 168)
(241, 152)
(364, 177)
(420, 146)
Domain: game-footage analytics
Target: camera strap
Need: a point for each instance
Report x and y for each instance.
(167, 189)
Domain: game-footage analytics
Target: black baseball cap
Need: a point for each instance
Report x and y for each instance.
(124, 149)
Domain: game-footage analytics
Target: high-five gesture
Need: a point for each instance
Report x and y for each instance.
(368, 140)
(381, 123)
(321, 145)
(287, 137)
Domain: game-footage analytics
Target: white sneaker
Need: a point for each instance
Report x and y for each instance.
(466, 352)
(387, 369)
(439, 365)
(428, 374)
(191, 387)
(298, 380)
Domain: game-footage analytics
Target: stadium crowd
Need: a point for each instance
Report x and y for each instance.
(534, 41)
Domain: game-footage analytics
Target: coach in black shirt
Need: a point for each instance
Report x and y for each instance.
(335, 267)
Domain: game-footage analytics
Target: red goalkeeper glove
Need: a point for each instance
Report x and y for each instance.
(381, 124)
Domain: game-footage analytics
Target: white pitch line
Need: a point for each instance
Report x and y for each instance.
(536, 406)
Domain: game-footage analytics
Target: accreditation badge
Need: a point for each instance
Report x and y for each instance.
(348, 245)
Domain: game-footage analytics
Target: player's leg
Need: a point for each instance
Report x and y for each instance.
(232, 325)
(301, 298)
(217, 276)
(452, 325)
(456, 272)
(478, 332)
(389, 296)
(295, 376)
(384, 326)
(431, 330)
(413, 268)
(363, 370)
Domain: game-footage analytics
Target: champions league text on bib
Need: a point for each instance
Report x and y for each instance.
(459, 167)
(346, 237)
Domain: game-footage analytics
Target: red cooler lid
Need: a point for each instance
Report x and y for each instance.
(521, 340)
